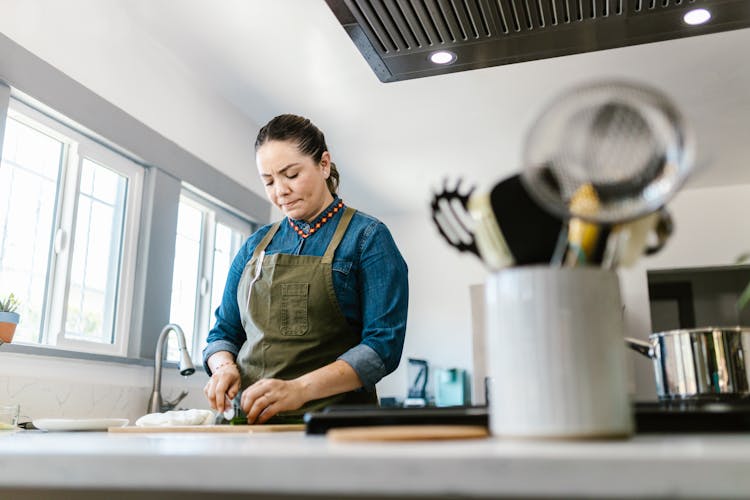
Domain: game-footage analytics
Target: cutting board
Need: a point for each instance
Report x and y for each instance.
(211, 428)
(408, 433)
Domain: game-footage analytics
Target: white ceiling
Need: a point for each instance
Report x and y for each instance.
(395, 142)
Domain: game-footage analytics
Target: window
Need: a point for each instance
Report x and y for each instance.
(208, 238)
(69, 211)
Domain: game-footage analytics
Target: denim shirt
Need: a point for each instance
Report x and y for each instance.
(369, 279)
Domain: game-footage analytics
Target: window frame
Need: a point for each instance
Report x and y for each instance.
(169, 166)
(213, 214)
(76, 148)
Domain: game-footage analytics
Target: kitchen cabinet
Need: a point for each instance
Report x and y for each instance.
(293, 465)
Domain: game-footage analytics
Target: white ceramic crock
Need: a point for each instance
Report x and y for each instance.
(556, 355)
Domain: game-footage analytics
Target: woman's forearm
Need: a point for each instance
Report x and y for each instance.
(335, 378)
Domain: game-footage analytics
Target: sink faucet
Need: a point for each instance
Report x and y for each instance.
(155, 404)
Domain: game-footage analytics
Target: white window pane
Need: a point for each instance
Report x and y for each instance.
(86, 183)
(29, 174)
(186, 274)
(96, 255)
(223, 254)
(106, 185)
(227, 242)
(34, 150)
(189, 222)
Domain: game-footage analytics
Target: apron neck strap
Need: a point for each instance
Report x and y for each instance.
(266, 239)
(338, 235)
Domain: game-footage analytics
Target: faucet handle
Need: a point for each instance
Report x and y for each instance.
(170, 405)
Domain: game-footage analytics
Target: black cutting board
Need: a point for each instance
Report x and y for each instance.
(351, 416)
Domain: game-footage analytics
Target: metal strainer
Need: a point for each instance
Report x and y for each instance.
(607, 153)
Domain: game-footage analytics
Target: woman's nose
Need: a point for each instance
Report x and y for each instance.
(282, 188)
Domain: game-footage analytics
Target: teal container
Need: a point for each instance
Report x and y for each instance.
(452, 387)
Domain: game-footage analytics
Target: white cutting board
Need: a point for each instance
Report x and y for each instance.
(211, 428)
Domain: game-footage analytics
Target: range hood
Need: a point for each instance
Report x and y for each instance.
(398, 37)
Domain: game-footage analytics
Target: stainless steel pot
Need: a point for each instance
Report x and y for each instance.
(700, 363)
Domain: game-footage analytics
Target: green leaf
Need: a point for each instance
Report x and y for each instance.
(10, 304)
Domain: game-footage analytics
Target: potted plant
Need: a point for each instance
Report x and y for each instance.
(8, 318)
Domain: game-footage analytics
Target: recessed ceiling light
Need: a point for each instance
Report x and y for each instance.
(443, 57)
(696, 16)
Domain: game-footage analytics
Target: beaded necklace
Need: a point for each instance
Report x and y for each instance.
(317, 226)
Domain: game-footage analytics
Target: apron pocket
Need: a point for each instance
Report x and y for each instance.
(294, 308)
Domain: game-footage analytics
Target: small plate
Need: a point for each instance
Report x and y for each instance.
(79, 424)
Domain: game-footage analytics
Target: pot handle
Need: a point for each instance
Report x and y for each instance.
(640, 346)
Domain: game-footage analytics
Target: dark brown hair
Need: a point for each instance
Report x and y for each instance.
(309, 140)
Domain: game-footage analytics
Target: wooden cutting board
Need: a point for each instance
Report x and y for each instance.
(408, 433)
(211, 428)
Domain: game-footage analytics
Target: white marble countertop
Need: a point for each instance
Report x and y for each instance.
(291, 463)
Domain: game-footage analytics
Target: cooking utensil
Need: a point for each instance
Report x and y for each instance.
(511, 228)
(505, 226)
(583, 236)
(450, 215)
(700, 363)
(230, 411)
(631, 240)
(628, 142)
(489, 239)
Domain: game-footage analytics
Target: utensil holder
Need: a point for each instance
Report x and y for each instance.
(556, 354)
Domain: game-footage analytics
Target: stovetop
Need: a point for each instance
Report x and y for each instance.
(689, 416)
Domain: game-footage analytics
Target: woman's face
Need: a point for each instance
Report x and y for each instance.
(293, 181)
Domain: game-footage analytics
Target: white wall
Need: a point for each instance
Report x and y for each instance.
(48, 387)
(711, 229)
(117, 60)
(439, 324)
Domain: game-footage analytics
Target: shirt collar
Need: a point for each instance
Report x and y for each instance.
(300, 222)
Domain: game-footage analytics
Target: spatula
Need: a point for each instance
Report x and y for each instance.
(452, 219)
(514, 228)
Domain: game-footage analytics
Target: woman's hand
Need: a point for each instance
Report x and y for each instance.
(269, 396)
(223, 386)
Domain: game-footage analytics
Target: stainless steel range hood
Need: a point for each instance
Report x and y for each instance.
(397, 37)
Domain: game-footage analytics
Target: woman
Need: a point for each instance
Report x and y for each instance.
(314, 309)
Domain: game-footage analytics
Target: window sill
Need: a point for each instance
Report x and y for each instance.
(105, 358)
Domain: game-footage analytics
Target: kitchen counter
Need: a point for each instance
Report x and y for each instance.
(292, 464)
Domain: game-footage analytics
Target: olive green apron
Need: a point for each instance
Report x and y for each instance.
(292, 318)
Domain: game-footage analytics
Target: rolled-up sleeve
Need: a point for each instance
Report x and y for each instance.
(384, 296)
